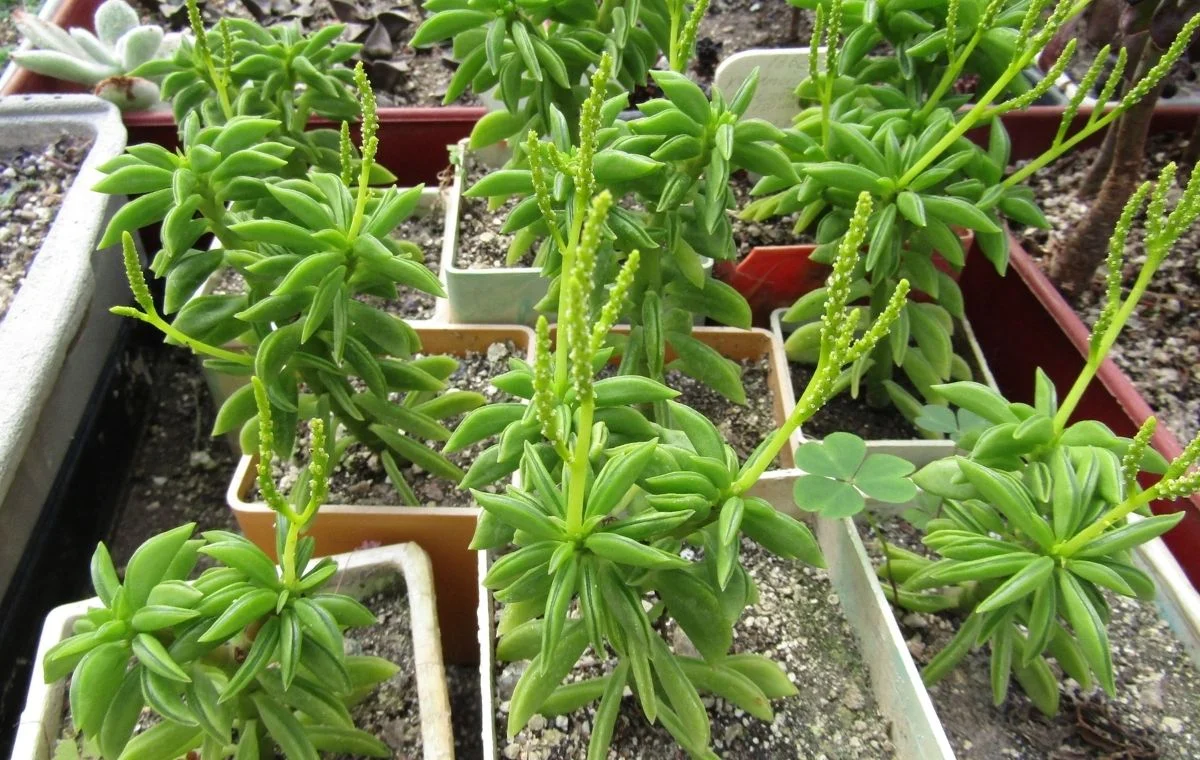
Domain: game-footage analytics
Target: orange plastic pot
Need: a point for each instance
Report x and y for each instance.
(443, 532)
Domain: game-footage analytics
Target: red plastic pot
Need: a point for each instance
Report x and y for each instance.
(412, 141)
(773, 276)
(1022, 323)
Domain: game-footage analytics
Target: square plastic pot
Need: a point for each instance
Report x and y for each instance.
(919, 451)
(895, 682)
(495, 295)
(443, 532)
(360, 574)
(58, 333)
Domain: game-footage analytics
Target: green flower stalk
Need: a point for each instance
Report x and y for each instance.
(1035, 524)
(245, 660)
(893, 126)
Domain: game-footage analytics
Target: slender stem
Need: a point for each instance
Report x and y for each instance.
(1057, 150)
(969, 119)
(949, 77)
(198, 346)
(805, 407)
(579, 466)
(1119, 512)
(1096, 357)
(562, 350)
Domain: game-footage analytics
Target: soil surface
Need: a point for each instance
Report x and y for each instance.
(392, 712)
(731, 26)
(426, 230)
(1160, 346)
(33, 183)
(773, 231)
(481, 245)
(1155, 714)
(180, 472)
(360, 478)
(742, 426)
(401, 75)
(798, 623)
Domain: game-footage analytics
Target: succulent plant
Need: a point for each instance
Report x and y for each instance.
(102, 60)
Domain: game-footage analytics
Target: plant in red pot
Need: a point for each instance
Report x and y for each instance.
(103, 62)
(905, 144)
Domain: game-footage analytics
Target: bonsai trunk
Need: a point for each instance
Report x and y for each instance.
(1076, 260)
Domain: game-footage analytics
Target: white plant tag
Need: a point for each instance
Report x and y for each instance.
(779, 71)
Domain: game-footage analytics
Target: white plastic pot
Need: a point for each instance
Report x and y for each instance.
(360, 574)
(58, 333)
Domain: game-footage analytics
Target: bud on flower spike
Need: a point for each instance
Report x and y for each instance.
(1113, 264)
(543, 384)
(616, 301)
(370, 117)
(589, 125)
(1131, 463)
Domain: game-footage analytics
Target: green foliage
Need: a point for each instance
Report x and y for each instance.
(839, 472)
(308, 250)
(240, 69)
(892, 126)
(1036, 522)
(247, 655)
(668, 174)
(536, 57)
(613, 509)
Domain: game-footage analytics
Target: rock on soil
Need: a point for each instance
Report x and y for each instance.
(797, 622)
(33, 182)
(1160, 346)
(1155, 714)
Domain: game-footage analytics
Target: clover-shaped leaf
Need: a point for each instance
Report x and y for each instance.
(839, 473)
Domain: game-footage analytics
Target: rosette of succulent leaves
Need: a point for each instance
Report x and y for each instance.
(309, 250)
(537, 56)
(243, 659)
(239, 69)
(893, 126)
(612, 508)
(104, 61)
(1036, 523)
(668, 174)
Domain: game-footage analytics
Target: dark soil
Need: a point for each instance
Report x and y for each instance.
(392, 712)
(1156, 713)
(773, 231)
(360, 479)
(33, 182)
(401, 75)
(1160, 346)
(798, 623)
(9, 36)
(180, 473)
(851, 415)
(731, 26)
(743, 427)
(481, 245)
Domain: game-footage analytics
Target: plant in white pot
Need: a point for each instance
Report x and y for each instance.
(621, 527)
(246, 657)
(1037, 529)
